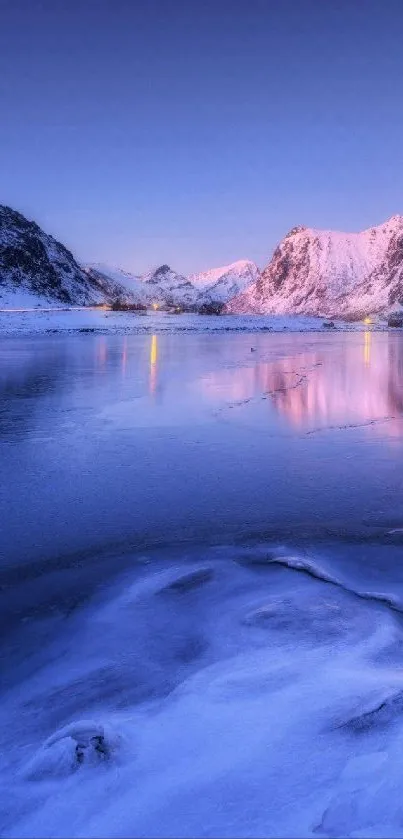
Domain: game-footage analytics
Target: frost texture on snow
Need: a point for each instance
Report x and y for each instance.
(327, 273)
(226, 708)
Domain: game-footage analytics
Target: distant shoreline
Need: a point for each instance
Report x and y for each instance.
(98, 321)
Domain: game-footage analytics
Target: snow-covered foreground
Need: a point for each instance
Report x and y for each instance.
(230, 691)
(64, 320)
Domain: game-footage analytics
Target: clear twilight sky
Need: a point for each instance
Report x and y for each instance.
(198, 132)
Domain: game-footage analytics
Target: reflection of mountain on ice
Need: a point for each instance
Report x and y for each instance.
(353, 384)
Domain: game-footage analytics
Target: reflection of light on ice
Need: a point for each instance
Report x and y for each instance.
(102, 352)
(367, 348)
(153, 363)
(153, 353)
(124, 357)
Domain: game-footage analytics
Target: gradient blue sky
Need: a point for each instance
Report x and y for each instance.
(198, 133)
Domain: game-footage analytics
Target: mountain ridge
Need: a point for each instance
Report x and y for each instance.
(330, 273)
(164, 285)
(36, 270)
(312, 272)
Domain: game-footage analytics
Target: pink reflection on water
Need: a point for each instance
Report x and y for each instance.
(347, 384)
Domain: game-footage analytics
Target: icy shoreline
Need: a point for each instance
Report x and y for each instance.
(250, 700)
(49, 321)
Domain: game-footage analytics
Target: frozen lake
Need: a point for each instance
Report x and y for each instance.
(237, 460)
(119, 440)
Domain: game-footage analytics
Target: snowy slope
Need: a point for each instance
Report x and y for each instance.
(116, 283)
(14, 299)
(221, 284)
(36, 270)
(322, 272)
(118, 275)
(35, 267)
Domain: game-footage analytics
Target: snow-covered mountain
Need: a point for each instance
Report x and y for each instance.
(36, 270)
(166, 287)
(162, 285)
(221, 284)
(312, 272)
(116, 284)
(322, 272)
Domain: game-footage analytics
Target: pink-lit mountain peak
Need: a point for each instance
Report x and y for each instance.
(323, 272)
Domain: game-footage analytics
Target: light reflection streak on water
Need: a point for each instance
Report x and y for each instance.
(153, 364)
(367, 348)
(124, 357)
(102, 352)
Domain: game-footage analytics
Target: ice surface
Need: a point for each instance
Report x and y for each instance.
(245, 736)
(200, 590)
(127, 440)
